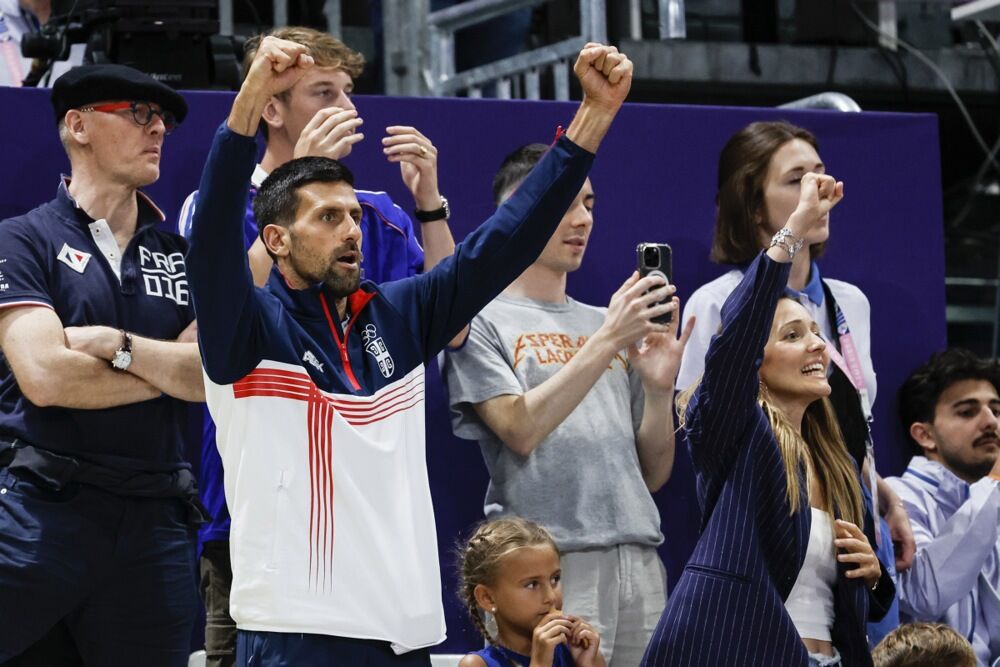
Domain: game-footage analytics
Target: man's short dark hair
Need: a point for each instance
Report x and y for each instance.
(919, 394)
(277, 199)
(515, 168)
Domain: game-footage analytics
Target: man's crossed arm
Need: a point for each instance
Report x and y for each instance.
(70, 367)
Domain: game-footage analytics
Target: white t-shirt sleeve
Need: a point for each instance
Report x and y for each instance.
(705, 304)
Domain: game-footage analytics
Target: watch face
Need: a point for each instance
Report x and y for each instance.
(122, 360)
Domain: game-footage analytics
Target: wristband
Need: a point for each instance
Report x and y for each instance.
(442, 213)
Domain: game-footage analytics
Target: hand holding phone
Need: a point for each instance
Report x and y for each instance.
(655, 259)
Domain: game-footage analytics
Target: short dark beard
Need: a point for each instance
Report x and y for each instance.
(340, 285)
(970, 472)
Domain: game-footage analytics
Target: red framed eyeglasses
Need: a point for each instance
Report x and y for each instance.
(142, 113)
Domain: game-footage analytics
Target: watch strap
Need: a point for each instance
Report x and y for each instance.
(126, 345)
(442, 213)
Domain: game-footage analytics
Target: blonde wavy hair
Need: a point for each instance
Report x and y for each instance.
(820, 448)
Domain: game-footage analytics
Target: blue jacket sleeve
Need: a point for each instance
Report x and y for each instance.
(224, 295)
(439, 303)
(727, 395)
(414, 252)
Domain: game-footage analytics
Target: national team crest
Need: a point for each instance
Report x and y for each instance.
(74, 259)
(375, 346)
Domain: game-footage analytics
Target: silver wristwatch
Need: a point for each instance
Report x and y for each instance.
(123, 355)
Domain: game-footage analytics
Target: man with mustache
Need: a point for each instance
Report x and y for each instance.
(950, 407)
(572, 407)
(316, 381)
(317, 117)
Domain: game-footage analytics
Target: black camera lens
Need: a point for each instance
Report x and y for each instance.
(651, 256)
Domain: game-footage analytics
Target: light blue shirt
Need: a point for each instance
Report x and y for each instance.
(955, 576)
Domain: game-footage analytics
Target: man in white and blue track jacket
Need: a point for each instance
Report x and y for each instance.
(316, 381)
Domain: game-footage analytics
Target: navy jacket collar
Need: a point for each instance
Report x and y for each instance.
(307, 302)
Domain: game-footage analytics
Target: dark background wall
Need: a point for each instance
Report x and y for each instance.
(655, 181)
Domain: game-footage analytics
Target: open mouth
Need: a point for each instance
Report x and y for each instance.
(349, 259)
(576, 241)
(815, 370)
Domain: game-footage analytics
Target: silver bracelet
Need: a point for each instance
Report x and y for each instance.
(779, 240)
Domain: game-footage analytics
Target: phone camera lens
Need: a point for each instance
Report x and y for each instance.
(651, 257)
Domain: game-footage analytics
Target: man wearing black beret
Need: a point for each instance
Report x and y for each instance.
(96, 502)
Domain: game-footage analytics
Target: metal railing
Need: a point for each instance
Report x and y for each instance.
(420, 50)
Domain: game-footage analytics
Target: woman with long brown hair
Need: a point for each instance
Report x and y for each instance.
(783, 573)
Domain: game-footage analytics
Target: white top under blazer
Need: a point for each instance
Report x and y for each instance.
(810, 604)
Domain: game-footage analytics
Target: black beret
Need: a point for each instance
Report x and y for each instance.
(98, 83)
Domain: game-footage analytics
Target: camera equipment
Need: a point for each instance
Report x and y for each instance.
(174, 42)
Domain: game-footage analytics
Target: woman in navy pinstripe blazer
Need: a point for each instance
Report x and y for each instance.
(766, 448)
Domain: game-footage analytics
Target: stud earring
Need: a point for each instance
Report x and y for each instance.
(493, 610)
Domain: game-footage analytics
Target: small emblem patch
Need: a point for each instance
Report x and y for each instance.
(74, 259)
(376, 347)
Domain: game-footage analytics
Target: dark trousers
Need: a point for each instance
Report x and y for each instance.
(216, 580)
(279, 649)
(117, 572)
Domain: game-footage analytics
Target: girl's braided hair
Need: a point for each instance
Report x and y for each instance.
(479, 559)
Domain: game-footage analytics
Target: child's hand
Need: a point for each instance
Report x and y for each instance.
(554, 629)
(584, 643)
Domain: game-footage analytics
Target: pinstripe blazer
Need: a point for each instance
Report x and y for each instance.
(728, 606)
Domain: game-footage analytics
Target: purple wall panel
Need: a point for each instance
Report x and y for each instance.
(655, 181)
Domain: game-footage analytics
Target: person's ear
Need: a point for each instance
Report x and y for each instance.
(485, 599)
(76, 127)
(272, 115)
(278, 240)
(923, 434)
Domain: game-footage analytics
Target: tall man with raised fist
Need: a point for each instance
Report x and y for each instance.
(318, 378)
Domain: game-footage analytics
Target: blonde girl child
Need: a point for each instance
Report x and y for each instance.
(510, 570)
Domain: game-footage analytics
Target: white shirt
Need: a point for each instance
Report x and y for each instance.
(810, 603)
(706, 304)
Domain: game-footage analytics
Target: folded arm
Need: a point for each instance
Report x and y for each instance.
(51, 374)
(172, 367)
